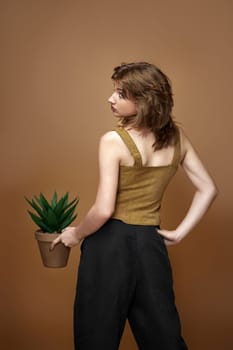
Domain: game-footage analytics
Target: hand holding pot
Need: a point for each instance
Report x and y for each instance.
(68, 237)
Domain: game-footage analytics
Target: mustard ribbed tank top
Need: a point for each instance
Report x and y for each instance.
(141, 188)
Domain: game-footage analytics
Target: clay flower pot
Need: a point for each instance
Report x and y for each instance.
(52, 217)
(56, 258)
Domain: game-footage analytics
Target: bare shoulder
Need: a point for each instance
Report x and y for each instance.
(110, 142)
(185, 143)
(110, 138)
(190, 159)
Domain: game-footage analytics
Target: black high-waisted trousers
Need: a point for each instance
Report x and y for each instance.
(124, 272)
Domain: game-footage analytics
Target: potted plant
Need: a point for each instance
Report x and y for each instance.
(52, 217)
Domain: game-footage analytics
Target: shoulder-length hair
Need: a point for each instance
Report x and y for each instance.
(151, 90)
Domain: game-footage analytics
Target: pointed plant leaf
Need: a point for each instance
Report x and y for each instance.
(40, 223)
(29, 202)
(74, 201)
(52, 219)
(37, 208)
(67, 214)
(64, 199)
(39, 202)
(32, 204)
(54, 200)
(45, 204)
(66, 223)
(60, 206)
(54, 216)
(62, 213)
(35, 218)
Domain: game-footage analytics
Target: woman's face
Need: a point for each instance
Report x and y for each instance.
(121, 106)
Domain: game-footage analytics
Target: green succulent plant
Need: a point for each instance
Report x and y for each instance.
(54, 216)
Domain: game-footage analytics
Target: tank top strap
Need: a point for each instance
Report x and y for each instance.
(129, 142)
(176, 156)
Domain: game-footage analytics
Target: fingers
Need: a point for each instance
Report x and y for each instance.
(169, 243)
(66, 238)
(169, 237)
(165, 237)
(56, 241)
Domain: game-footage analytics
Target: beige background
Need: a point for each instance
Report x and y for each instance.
(56, 62)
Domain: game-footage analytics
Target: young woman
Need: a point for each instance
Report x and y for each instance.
(124, 271)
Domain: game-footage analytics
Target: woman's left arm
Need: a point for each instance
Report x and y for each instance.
(104, 205)
(205, 193)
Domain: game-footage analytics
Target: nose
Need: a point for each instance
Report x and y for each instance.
(111, 99)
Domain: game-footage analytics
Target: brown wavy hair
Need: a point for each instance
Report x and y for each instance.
(151, 90)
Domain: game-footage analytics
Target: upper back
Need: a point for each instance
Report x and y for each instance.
(140, 144)
(143, 178)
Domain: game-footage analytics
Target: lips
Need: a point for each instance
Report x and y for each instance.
(113, 109)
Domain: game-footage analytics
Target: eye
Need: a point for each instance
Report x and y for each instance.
(121, 94)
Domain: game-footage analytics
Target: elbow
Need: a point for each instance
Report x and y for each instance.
(209, 192)
(104, 212)
(212, 192)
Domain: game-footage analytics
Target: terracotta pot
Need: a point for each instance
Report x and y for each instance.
(58, 257)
